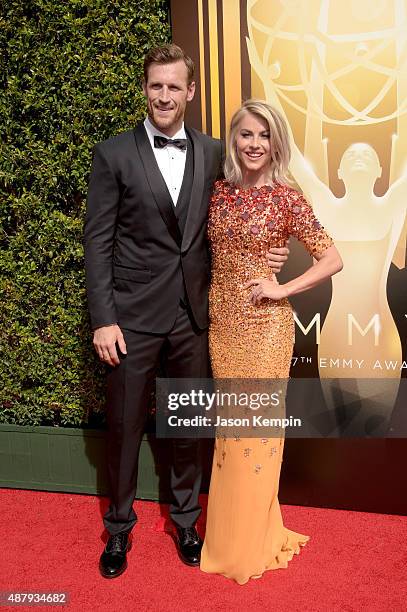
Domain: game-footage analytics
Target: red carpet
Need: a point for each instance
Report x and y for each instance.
(354, 561)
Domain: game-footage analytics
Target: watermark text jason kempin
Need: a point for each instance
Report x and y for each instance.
(232, 400)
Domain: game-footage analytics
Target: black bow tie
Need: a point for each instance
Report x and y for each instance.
(160, 142)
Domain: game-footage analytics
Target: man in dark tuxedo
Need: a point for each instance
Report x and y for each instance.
(147, 275)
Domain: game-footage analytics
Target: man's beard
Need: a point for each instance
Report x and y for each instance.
(163, 121)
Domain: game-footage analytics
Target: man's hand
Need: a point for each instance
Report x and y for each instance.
(277, 257)
(104, 341)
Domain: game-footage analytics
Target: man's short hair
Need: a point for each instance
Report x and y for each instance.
(168, 54)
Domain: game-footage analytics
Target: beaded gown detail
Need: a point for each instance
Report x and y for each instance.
(245, 534)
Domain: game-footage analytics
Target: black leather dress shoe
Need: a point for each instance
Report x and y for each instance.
(189, 545)
(113, 560)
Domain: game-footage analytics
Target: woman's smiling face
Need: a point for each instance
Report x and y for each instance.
(253, 145)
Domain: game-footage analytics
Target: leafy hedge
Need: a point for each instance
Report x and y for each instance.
(70, 76)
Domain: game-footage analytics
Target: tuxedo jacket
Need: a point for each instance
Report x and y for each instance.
(142, 253)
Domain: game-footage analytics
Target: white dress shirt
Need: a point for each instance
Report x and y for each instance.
(170, 159)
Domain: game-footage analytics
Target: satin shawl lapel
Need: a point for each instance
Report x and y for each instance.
(157, 183)
(196, 191)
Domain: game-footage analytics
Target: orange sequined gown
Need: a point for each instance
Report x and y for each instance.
(245, 534)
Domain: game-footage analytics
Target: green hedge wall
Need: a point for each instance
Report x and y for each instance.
(70, 76)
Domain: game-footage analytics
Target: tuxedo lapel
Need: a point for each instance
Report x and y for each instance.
(196, 191)
(184, 198)
(157, 184)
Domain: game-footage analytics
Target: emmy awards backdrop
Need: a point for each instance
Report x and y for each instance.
(337, 71)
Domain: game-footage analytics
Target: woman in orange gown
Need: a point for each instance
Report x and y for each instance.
(251, 335)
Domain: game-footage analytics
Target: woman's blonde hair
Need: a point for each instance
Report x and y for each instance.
(279, 141)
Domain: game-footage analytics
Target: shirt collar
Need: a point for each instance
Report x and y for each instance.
(152, 131)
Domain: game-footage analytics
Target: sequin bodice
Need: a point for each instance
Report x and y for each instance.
(243, 225)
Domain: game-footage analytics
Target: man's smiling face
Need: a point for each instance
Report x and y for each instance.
(167, 92)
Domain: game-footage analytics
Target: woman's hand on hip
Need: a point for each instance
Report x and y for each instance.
(265, 288)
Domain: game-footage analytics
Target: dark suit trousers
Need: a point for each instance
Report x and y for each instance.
(183, 353)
